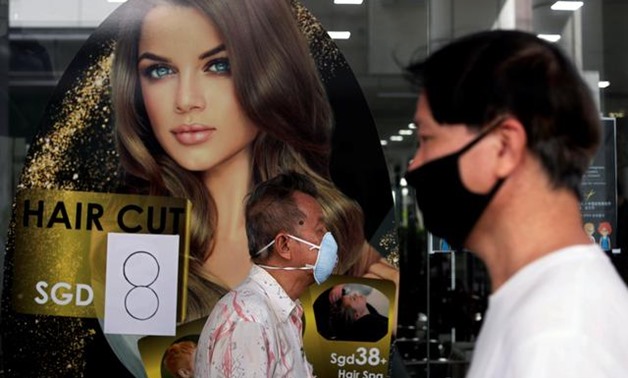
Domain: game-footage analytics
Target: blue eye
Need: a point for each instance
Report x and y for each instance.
(158, 72)
(219, 66)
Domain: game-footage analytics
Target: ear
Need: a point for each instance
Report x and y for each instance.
(512, 146)
(283, 246)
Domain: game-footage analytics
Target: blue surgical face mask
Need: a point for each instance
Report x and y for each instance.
(325, 262)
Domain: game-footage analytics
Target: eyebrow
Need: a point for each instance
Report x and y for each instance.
(158, 58)
(213, 51)
(151, 56)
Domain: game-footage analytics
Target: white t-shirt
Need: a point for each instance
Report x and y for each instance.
(563, 315)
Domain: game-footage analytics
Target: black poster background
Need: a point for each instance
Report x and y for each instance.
(599, 187)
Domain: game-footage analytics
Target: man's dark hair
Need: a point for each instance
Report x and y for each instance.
(486, 75)
(271, 209)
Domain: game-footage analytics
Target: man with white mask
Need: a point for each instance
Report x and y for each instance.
(256, 329)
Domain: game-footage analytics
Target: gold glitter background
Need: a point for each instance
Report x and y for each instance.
(73, 150)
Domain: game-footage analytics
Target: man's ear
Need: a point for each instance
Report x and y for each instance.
(512, 146)
(282, 246)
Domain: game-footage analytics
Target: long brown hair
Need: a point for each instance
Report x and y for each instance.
(279, 89)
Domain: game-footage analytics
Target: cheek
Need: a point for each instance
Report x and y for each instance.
(249, 130)
(241, 134)
(475, 169)
(151, 102)
(246, 131)
(155, 102)
(428, 153)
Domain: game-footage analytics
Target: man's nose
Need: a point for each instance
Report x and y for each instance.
(415, 162)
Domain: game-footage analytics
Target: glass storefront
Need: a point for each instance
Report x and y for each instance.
(443, 293)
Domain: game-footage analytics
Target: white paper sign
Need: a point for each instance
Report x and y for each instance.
(141, 284)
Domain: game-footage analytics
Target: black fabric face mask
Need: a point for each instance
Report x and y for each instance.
(450, 210)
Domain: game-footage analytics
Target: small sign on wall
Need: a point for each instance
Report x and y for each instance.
(141, 284)
(599, 192)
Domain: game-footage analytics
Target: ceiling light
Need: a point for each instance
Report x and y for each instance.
(567, 5)
(603, 84)
(411, 126)
(405, 132)
(339, 34)
(356, 2)
(396, 138)
(549, 37)
(383, 142)
(403, 182)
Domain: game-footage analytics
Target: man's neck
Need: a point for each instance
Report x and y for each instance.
(515, 233)
(293, 282)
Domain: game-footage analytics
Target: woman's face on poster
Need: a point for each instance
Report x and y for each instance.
(188, 90)
(355, 301)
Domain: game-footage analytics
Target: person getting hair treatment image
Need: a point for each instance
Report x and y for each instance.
(353, 317)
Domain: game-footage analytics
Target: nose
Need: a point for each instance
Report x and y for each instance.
(416, 161)
(189, 94)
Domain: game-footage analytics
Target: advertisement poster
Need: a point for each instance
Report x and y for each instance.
(341, 345)
(277, 95)
(61, 247)
(599, 192)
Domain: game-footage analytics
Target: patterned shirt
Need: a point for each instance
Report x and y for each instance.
(253, 331)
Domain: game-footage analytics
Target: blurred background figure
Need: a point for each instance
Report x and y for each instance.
(179, 359)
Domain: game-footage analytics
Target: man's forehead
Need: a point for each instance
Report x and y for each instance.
(423, 112)
(308, 205)
(304, 198)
